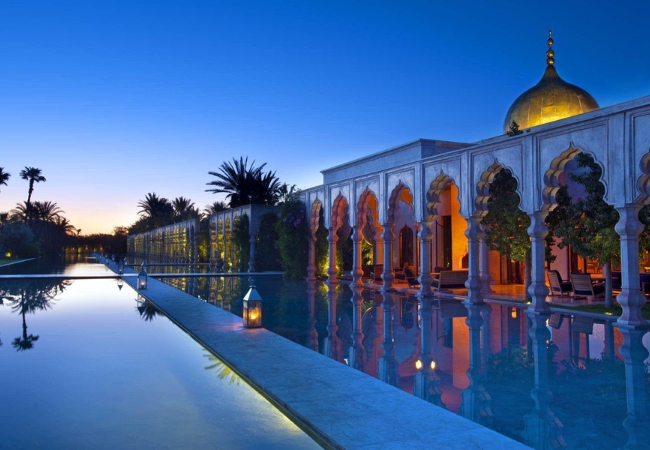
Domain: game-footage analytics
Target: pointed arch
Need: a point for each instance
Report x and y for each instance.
(556, 175)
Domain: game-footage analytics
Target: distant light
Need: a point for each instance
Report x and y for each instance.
(418, 364)
(513, 313)
(433, 365)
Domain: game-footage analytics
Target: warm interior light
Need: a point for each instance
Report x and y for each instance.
(254, 314)
(418, 364)
(513, 313)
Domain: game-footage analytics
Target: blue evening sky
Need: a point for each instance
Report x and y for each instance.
(113, 100)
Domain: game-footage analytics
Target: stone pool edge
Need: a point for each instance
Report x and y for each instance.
(324, 405)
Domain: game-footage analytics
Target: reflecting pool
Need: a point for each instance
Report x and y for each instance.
(550, 381)
(84, 364)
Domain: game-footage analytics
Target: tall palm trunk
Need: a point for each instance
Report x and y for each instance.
(29, 200)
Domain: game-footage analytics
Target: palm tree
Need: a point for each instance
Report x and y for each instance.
(245, 184)
(215, 207)
(4, 176)
(34, 176)
(158, 210)
(184, 209)
(47, 211)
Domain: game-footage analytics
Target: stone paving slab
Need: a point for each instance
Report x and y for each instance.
(339, 406)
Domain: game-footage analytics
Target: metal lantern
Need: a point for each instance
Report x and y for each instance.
(120, 283)
(252, 311)
(142, 278)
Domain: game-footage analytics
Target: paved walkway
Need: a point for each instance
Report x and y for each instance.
(339, 406)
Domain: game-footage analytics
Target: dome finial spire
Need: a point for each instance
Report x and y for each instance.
(550, 53)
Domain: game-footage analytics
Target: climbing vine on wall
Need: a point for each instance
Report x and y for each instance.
(266, 253)
(241, 243)
(293, 240)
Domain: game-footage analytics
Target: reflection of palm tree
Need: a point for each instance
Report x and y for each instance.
(147, 311)
(223, 371)
(27, 297)
(27, 341)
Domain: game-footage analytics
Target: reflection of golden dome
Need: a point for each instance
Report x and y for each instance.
(550, 99)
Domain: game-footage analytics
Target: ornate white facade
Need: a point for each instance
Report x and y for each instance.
(176, 243)
(419, 173)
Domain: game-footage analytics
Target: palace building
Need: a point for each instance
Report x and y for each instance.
(420, 204)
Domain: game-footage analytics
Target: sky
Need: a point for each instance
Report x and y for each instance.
(114, 100)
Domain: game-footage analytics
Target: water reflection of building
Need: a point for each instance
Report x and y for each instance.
(494, 364)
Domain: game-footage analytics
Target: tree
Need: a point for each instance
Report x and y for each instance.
(4, 176)
(33, 175)
(590, 221)
(514, 129)
(506, 226)
(215, 207)
(293, 239)
(244, 184)
(157, 211)
(184, 209)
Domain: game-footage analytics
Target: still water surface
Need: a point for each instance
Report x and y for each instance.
(550, 382)
(84, 365)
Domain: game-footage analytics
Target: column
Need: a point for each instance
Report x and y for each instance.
(331, 269)
(213, 249)
(311, 266)
(332, 343)
(538, 290)
(542, 428)
(251, 262)
(357, 272)
(233, 254)
(484, 266)
(357, 352)
(474, 233)
(311, 321)
(631, 298)
(388, 366)
(634, 354)
(476, 402)
(226, 251)
(425, 278)
(388, 276)
(427, 383)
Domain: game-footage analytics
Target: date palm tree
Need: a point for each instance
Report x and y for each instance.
(33, 175)
(158, 210)
(184, 209)
(47, 211)
(4, 176)
(245, 184)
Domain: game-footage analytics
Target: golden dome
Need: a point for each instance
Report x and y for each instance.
(550, 99)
